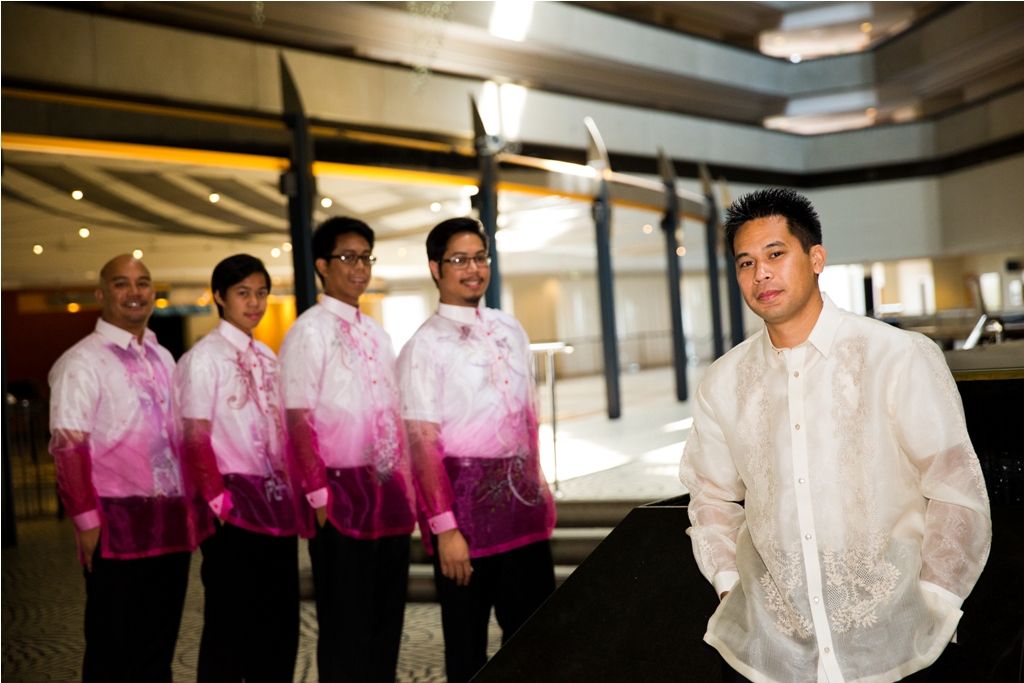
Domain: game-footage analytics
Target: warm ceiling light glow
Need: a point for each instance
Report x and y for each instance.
(510, 19)
(796, 59)
(37, 249)
(77, 194)
(681, 251)
(275, 252)
(470, 190)
(214, 197)
(402, 251)
(648, 229)
(435, 207)
(866, 27)
(83, 232)
(137, 253)
(326, 202)
(73, 307)
(287, 246)
(162, 303)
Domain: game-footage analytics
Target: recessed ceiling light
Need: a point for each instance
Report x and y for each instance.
(796, 59)
(681, 251)
(137, 253)
(866, 27)
(326, 202)
(214, 197)
(648, 229)
(77, 194)
(435, 207)
(37, 249)
(83, 232)
(275, 252)
(73, 307)
(287, 246)
(162, 303)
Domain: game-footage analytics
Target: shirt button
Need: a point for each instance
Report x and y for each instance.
(828, 650)
(798, 428)
(816, 599)
(801, 480)
(807, 537)
(796, 374)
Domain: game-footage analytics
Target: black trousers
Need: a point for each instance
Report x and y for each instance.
(132, 615)
(514, 583)
(251, 613)
(361, 587)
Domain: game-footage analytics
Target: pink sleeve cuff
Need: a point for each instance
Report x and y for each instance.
(317, 499)
(87, 520)
(442, 523)
(222, 505)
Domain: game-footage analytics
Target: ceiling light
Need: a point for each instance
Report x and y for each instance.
(402, 251)
(83, 232)
(511, 19)
(73, 307)
(275, 252)
(162, 303)
(681, 251)
(648, 229)
(866, 27)
(435, 207)
(326, 202)
(77, 194)
(37, 249)
(137, 254)
(214, 197)
(796, 59)
(287, 246)
(470, 190)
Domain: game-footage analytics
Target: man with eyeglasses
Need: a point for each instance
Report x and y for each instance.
(341, 400)
(470, 411)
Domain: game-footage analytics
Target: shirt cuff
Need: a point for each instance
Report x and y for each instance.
(87, 520)
(725, 581)
(946, 596)
(317, 499)
(222, 504)
(442, 523)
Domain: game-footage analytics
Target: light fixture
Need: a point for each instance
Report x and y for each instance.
(402, 251)
(287, 246)
(77, 194)
(648, 229)
(214, 197)
(510, 19)
(681, 251)
(866, 27)
(73, 307)
(871, 111)
(470, 190)
(37, 249)
(275, 252)
(137, 254)
(83, 232)
(435, 207)
(326, 202)
(162, 302)
(796, 59)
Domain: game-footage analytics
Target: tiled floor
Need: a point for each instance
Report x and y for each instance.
(632, 458)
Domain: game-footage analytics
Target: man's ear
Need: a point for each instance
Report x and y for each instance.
(98, 294)
(818, 258)
(435, 270)
(218, 299)
(321, 267)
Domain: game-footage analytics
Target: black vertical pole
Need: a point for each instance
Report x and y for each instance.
(735, 297)
(299, 185)
(711, 237)
(486, 200)
(10, 528)
(869, 296)
(602, 212)
(669, 223)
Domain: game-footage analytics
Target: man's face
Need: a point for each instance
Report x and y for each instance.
(126, 294)
(347, 281)
(777, 277)
(465, 285)
(245, 303)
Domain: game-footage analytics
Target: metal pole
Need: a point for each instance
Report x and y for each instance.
(10, 528)
(299, 185)
(486, 200)
(735, 297)
(711, 237)
(549, 376)
(669, 223)
(598, 159)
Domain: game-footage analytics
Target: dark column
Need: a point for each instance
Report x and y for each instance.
(711, 237)
(735, 297)
(486, 200)
(669, 223)
(602, 212)
(869, 296)
(10, 529)
(299, 185)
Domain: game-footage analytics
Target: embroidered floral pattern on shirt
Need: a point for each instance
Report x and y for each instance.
(850, 415)
(858, 579)
(781, 583)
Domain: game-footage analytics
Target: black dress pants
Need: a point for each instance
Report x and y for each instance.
(132, 615)
(361, 587)
(514, 583)
(251, 613)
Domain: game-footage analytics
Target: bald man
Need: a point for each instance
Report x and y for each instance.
(119, 478)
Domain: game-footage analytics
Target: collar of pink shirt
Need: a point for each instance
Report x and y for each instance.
(121, 337)
(238, 339)
(346, 312)
(467, 315)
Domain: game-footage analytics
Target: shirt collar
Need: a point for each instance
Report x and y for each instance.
(822, 334)
(346, 312)
(240, 340)
(121, 337)
(468, 315)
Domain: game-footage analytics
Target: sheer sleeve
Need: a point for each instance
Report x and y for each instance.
(433, 487)
(305, 453)
(931, 429)
(716, 490)
(200, 463)
(72, 457)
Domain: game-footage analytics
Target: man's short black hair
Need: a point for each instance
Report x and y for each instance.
(233, 270)
(437, 240)
(326, 237)
(798, 211)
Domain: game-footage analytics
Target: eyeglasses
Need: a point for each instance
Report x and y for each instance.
(462, 262)
(351, 258)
